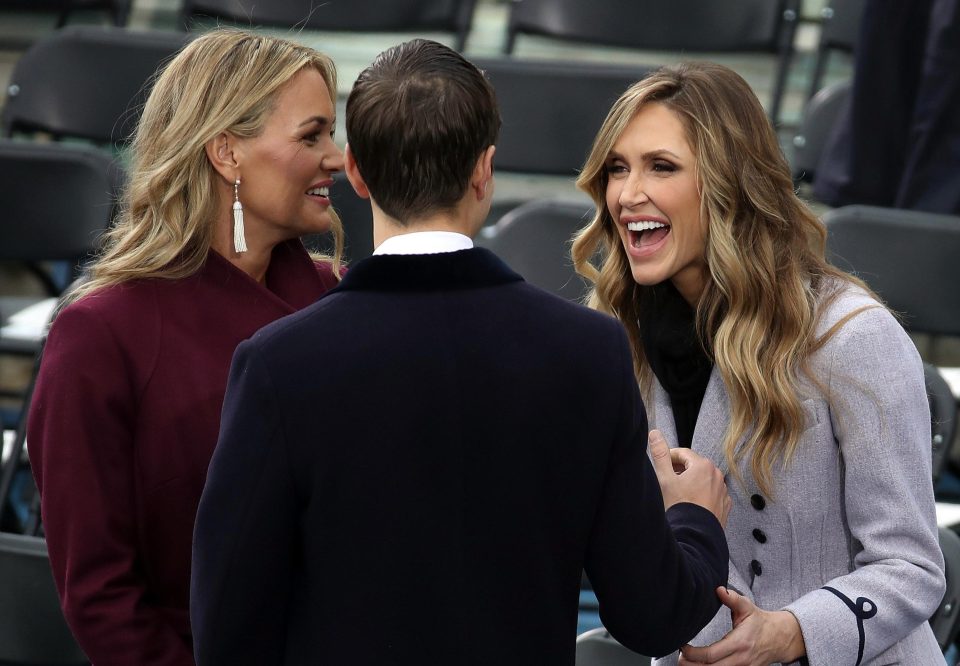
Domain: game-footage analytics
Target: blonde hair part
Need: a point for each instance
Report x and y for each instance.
(767, 276)
(224, 80)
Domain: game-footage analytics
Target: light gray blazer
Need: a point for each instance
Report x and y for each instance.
(848, 542)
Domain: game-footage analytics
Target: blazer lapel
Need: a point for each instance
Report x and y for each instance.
(711, 422)
(660, 414)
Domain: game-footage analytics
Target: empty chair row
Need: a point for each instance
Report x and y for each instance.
(90, 83)
(684, 26)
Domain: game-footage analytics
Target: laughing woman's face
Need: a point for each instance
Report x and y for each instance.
(654, 199)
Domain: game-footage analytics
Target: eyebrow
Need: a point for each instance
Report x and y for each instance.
(649, 155)
(323, 120)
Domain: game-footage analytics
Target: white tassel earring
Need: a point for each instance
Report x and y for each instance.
(239, 240)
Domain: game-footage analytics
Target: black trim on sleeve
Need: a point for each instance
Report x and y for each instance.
(863, 609)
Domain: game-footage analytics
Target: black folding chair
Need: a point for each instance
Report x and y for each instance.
(534, 240)
(86, 82)
(598, 648)
(551, 112)
(945, 622)
(32, 628)
(56, 201)
(357, 219)
(820, 116)
(119, 10)
(839, 28)
(688, 26)
(909, 257)
(453, 16)
(943, 416)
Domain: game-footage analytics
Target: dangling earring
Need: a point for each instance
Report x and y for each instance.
(239, 241)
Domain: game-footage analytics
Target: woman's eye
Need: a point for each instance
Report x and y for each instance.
(664, 167)
(616, 168)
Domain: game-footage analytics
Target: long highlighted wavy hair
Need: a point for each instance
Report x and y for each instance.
(767, 277)
(224, 80)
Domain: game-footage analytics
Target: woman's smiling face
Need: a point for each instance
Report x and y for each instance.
(287, 170)
(654, 198)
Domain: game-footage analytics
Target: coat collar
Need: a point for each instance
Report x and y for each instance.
(711, 423)
(448, 271)
(293, 280)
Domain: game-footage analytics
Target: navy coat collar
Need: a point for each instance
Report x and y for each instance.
(464, 269)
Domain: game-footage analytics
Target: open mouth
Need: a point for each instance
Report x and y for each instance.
(647, 233)
(319, 192)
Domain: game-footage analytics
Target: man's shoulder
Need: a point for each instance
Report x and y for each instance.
(346, 315)
(563, 308)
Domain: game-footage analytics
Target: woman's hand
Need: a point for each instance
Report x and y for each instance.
(758, 638)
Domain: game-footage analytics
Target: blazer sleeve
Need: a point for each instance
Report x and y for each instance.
(654, 573)
(881, 421)
(245, 537)
(81, 440)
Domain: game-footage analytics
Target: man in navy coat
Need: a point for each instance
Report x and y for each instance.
(417, 468)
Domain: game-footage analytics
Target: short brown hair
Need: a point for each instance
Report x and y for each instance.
(418, 119)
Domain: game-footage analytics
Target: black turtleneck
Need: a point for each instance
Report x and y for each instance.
(669, 336)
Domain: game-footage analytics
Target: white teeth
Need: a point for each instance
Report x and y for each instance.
(319, 191)
(644, 226)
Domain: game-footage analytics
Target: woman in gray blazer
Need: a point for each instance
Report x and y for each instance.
(789, 374)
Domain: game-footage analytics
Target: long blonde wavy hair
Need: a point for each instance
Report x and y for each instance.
(766, 277)
(224, 80)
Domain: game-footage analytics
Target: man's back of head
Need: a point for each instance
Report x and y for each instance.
(418, 119)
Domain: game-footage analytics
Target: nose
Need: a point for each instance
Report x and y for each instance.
(633, 193)
(332, 161)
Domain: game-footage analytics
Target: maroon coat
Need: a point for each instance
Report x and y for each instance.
(123, 423)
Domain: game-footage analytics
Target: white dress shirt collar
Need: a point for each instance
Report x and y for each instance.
(425, 242)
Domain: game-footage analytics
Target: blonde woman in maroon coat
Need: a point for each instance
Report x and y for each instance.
(231, 165)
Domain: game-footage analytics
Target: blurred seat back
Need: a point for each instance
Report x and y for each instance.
(945, 622)
(454, 16)
(356, 218)
(943, 416)
(698, 26)
(119, 10)
(86, 82)
(839, 28)
(598, 648)
(552, 110)
(32, 628)
(534, 239)
(910, 258)
(56, 200)
(820, 116)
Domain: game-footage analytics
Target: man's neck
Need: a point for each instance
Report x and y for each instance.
(385, 227)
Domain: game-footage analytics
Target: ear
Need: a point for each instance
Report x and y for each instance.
(220, 153)
(353, 173)
(483, 173)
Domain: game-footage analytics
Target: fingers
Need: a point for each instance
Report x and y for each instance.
(660, 454)
(708, 654)
(731, 599)
(682, 458)
(739, 605)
